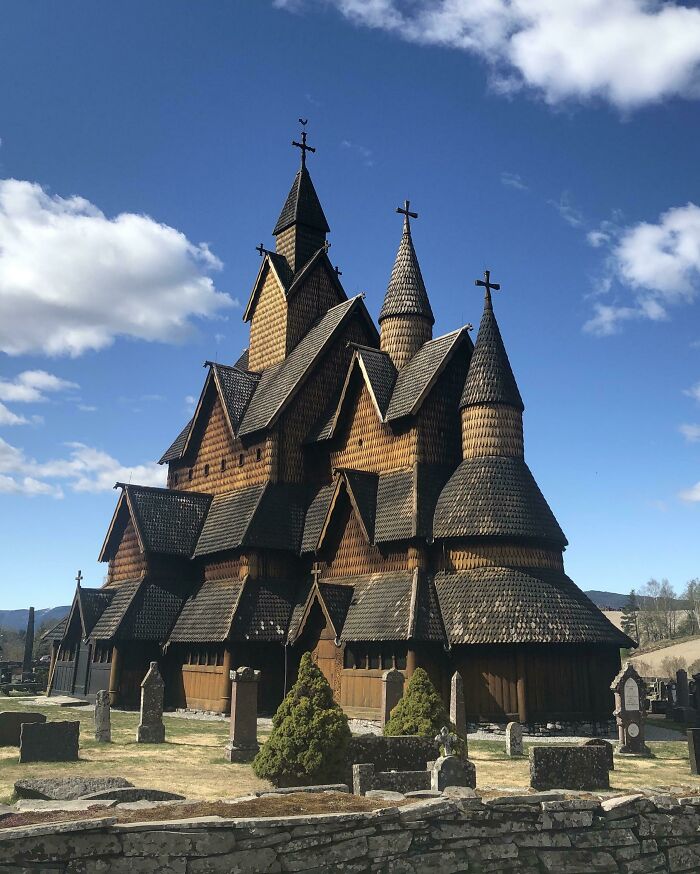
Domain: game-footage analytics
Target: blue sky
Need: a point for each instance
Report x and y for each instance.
(145, 151)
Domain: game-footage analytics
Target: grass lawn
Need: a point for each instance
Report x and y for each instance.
(192, 763)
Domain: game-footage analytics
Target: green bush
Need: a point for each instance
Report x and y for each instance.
(310, 734)
(421, 712)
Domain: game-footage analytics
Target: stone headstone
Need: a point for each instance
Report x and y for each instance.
(66, 788)
(604, 744)
(560, 767)
(28, 659)
(682, 699)
(49, 742)
(694, 750)
(103, 720)
(630, 701)
(392, 691)
(452, 771)
(514, 739)
(458, 709)
(243, 732)
(11, 723)
(151, 729)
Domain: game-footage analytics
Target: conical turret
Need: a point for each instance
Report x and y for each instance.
(302, 227)
(491, 406)
(406, 318)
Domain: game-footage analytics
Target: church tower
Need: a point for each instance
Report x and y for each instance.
(406, 318)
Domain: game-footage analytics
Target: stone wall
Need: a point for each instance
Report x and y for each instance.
(532, 834)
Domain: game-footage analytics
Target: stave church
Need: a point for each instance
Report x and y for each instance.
(352, 490)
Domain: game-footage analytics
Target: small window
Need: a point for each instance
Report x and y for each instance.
(189, 474)
(258, 454)
(359, 441)
(223, 464)
(241, 459)
(206, 470)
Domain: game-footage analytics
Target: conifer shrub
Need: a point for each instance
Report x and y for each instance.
(310, 734)
(421, 712)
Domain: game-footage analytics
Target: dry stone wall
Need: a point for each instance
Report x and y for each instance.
(457, 832)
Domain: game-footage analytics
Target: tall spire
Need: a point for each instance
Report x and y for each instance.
(406, 318)
(490, 379)
(301, 227)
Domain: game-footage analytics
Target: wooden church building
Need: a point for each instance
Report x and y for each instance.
(354, 491)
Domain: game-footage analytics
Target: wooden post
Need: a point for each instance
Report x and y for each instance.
(226, 681)
(55, 646)
(115, 676)
(521, 685)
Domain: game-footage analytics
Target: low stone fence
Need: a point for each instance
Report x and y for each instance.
(457, 832)
(403, 752)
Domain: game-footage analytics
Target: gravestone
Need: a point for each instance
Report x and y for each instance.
(151, 729)
(696, 691)
(11, 723)
(458, 710)
(103, 721)
(28, 660)
(243, 732)
(392, 691)
(604, 744)
(560, 767)
(630, 694)
(514, 739)
(452, 771)
(682, 699)
(49, 742)
(66, 788)
(694, 750)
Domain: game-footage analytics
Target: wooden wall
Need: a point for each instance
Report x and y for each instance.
(465, 557)
(268, 326)
(309, 303)
(128, 562)
(346, 550)
(438, 425)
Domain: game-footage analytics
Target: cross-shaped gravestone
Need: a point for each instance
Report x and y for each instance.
(446, 739)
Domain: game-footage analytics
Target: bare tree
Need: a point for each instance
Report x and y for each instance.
(691, 594)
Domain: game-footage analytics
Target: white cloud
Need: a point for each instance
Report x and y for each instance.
(658, 264)
(85, 469)
(513, 180)
(72, 279)
(362, 152)
(7, 417)
(567, 210)
(690, 432)
(692, 494)
(190, 404)
(32, 386)
(693, 391)
(627, 52)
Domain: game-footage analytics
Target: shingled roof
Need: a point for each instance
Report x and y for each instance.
(490, 378)
(269, 515)
(115, 611)
(362, 489)
(380, 608)
(334, 600)
(177, 447)
(316, 517)
(92, 604)
(302, 206)
(406, 294)
(520, 605)
(406, 502)
(208, 614)
(493, 496)
(167, 521)
(152, 612)
(264, 610)
(416, 378)
(278, 384)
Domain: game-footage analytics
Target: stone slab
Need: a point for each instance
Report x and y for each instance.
(133, 793)
(67, 788)
(11, 724)
(31, 806)
(560, 767)
(604, 744)
(49, 742)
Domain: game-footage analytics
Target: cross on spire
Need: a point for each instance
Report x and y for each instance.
(261, 249)
(405, 211)
(302, 145)
(487, 284)
(79, 578)
(316, 571)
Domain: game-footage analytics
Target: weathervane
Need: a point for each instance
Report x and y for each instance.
(302, 145)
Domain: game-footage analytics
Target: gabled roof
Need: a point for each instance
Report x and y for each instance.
(264, 610)
(92, 604)
(416, 379)
(115, 611)
(334, 601)
(406, 294)
(167, 521)
(279, 384)
(152, 611)
(280, 268)
(316, 517)
(406, 502)
(361, 489)
(381, 607)
(490, 378)
(208, 613)
(57, 631)
(492, 496)
(234, 387)
(270, 515)
(302, 206)
(520, 605)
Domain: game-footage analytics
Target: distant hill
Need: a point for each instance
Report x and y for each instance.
(16, 620)
(616, 601)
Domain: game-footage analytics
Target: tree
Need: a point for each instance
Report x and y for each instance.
(630, 612)
(310, 734)
(691, 594)
(420, 711)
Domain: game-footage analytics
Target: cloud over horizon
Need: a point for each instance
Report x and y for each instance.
(629, 53)
(72, 279)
